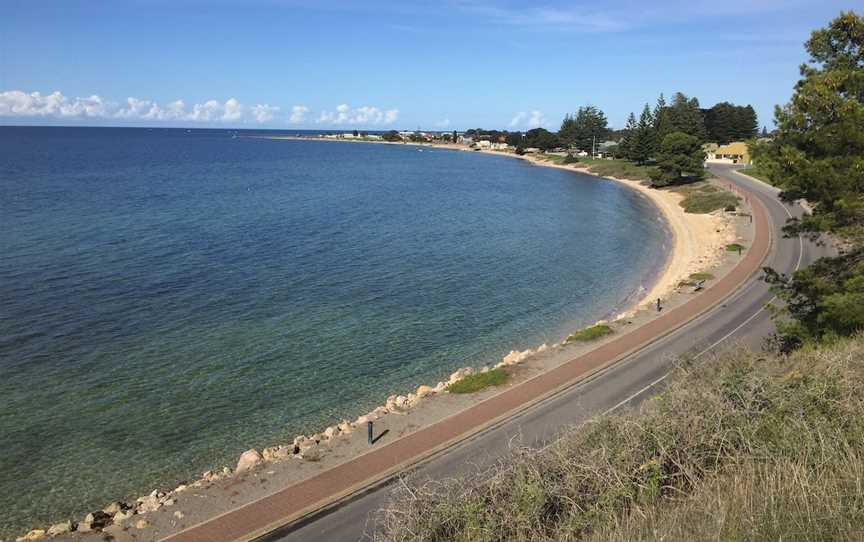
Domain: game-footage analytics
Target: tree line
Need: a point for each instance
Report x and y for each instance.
(817, 154)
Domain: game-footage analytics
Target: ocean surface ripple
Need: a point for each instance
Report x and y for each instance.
(172, 298)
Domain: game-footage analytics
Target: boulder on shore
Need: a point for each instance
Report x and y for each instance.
(94, 521)
(60, 528)
(277, 453)
(35, 534)
(147, 504)
(423, 391)
(248, 460)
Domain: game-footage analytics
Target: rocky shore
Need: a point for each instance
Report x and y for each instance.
(121, 516)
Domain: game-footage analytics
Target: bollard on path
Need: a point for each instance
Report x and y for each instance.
(369, 432)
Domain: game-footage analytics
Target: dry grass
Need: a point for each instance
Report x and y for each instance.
(742, 446)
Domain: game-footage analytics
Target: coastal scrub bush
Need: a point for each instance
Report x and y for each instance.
(701, 276)
(742, 446)
(479, 381)
(703, 197)
(570, 159)
(734, 247)
(621, 169)
(589, 333)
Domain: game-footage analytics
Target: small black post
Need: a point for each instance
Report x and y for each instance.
(739, 251)
(369, 431)
(659, 308)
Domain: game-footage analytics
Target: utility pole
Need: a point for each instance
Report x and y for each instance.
(593, 141)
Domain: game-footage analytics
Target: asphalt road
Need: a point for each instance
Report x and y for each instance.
(742, 319)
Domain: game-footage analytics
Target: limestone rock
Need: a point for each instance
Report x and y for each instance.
(277, 453)
(248, 460)
(150, 503)
(181, 488)
(440, 387)
(300, 438)
(423, 391)
(113, 508)
(95, 521)
(345, 427)
(178, 514)
(169, 502)
(141, 524)
(35, 534)
(60, 528)
(331, 432)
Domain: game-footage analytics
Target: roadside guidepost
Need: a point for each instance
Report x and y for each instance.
(659, 307)
(369, 432)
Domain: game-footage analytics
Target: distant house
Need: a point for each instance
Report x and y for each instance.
(733, 153)
(483, 144)
(499, 146)
(532, 150)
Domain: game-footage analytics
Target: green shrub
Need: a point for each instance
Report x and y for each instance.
(479, 381)
(589, 333)
(703, 197)
(735, 247)
(701, 276)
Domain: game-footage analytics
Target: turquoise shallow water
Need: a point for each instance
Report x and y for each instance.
(170, 299)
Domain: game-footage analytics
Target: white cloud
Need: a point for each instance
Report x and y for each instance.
(264, 112)
(16, 103)
(365, 115)
(531, 119)
(298, 114)
(536, 119)
(442, 123)
(517, 119)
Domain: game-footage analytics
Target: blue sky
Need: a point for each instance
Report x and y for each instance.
(377, 65)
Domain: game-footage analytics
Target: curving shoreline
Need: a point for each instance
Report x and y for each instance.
(695, 238)
(684, 254)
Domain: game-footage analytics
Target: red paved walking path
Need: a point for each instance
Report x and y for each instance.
(289, 504)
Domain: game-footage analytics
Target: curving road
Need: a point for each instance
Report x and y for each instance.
(741, 318)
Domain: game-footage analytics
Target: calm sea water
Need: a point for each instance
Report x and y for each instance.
(170, 299)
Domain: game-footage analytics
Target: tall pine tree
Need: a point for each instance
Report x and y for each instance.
(642, 146)
(686, 116)
(662, 124)
(626, 145)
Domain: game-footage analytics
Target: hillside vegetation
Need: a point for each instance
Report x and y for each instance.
(742, 446)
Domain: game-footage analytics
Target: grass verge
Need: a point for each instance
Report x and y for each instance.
(704, 197)
(479, 381)
(621, 169)
(743, 446)
(589, 333)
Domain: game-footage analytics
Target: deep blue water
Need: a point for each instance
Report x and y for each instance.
(170, 299)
